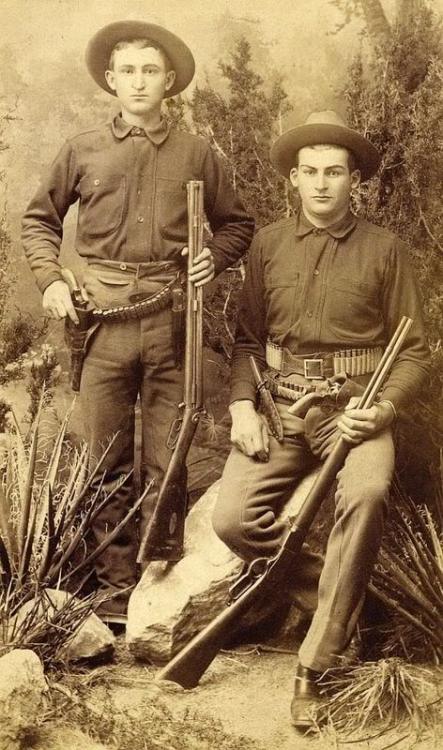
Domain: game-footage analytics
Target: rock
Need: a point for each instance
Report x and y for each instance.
(171, 603)
(22, 690)
(92, 639)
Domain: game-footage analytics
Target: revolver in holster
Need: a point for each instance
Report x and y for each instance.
(77, 335)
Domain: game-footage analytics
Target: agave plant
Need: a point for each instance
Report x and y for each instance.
(408, 579)
(43, 524)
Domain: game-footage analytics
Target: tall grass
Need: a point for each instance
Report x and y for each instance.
(43, 525)
(408, 579)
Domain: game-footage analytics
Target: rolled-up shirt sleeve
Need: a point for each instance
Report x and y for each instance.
(42, 225)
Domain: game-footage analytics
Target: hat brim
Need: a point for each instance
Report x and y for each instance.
(285, 148)
(103, 42)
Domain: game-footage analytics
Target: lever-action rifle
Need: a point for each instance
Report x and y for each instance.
(163, 539)
(267, 575)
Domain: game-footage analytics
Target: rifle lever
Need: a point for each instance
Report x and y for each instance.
(174, 430)
(256, 569)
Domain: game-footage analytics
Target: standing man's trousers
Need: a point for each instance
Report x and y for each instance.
(126, 360)
(253, 493)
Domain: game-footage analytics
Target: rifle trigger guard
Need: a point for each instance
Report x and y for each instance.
(255, 570)
(174, 432)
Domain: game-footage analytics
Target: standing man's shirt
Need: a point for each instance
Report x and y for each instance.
(131, 188)
(321, 290)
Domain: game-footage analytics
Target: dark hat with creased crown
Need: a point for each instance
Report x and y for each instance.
(103, 42)
(329, 128)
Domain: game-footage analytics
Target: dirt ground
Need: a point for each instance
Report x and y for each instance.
(246, 691)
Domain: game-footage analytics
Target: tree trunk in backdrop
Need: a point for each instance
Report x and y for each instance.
(377, 24)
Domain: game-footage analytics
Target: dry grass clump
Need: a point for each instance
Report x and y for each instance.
(386, 694)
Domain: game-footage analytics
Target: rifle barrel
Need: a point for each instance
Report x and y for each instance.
(385, 364)
(163, 537)
(194, 324)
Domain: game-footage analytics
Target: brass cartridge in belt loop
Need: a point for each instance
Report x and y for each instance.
(359, 362)
(365, 361)
(337, 363)
(274, 355)
(354, 362)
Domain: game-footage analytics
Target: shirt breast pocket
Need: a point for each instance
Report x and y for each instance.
(352, 310)
(102, 205)
(283, 301)
(171, 209)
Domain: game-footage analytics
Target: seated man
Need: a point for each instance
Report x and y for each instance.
(324, 292)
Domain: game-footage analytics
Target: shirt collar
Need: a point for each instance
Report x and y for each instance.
(157, 135)
(340, 229)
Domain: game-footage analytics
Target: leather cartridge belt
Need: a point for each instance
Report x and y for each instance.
(287, 389)
(140, 304)
(317, 366)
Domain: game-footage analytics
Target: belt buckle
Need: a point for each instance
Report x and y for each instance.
(313, 369)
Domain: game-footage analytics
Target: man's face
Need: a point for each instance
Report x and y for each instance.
(140, 80)
(324, 183)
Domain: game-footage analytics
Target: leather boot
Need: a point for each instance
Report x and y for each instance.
(306, 699)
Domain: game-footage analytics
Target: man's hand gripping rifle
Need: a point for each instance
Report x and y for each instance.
(266, 575)
(163, 539)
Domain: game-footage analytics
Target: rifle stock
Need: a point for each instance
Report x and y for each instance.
(265, 575)
(163, 538)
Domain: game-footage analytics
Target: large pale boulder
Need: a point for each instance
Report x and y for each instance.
(22, 690)
(91, 640)
(172, 602)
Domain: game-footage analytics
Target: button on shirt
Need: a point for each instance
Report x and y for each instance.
(320, 290)
(130, 185)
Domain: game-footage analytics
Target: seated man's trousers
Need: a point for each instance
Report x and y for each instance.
(252, 496)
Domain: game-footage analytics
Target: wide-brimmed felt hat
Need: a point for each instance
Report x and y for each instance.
(329, 128)
(103, 42)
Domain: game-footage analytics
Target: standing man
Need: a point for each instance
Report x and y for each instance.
(323, 294)
(129, 178)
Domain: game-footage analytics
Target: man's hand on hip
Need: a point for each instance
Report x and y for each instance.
(203, 267)
(57, 302)
(249, 431)
(360, 424)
